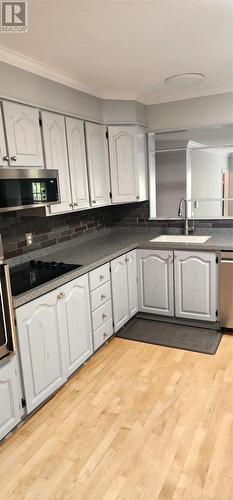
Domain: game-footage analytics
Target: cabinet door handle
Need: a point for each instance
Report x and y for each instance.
(105, 335)
(93, 201)
(6, 158)
(103, 297)
(61, 295)
(138, 197)
(76, 204)
(126, 259)
(13, 158)
(102, 277)
(71, 205)
(104, 316)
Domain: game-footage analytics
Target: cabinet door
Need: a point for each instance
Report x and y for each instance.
(155, 282)
(9, 398)
(98, 167)
(3, 162)
(77, 163)
(23, 135)
(120, 298)
(195, 285)
(76, 313)
(132, 282)
(42, 348)
(123, 163)
(56, 157)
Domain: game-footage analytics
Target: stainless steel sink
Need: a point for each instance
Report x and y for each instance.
(169, 238)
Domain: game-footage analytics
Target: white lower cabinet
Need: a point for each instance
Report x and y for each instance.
(55, 338)
(42, 348)
(124, 288)
(9, 397)
(155, 281)
(75, 313)
(196, 285)
(101, 305)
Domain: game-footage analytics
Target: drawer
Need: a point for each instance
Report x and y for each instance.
(99, 276)
(102, 334)
(101, 315)
(101, 295)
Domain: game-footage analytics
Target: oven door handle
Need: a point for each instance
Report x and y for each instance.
(9, 304)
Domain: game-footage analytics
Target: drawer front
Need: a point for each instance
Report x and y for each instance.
(102, 334)
(101, 315)
(101, 295)
(99, 276)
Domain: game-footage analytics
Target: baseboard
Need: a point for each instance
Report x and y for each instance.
(179, 321)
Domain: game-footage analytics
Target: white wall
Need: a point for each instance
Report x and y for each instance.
(198, 112)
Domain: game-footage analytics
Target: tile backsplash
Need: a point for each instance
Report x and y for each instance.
(48, 231)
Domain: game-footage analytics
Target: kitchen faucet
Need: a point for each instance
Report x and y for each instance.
(183, 203)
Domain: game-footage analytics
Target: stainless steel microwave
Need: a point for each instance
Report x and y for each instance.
(28, 188)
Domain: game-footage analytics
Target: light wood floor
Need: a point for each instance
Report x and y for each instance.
(137, 422)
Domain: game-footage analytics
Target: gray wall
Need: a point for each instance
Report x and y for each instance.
(21, 85)
(198, 112)
(24, 86)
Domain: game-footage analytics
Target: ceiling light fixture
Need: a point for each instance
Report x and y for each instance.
(185, 79)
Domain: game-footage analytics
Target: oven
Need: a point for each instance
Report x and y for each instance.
(7, 324)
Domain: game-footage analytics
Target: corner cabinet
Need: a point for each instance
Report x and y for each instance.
(9, 397)
(196, 285)
(55, 150)
(77, 163)
(124, 288)
(127, 152)
(23, 135)
(98, 166)
(155, 282)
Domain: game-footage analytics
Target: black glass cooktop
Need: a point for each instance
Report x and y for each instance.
(36, 272)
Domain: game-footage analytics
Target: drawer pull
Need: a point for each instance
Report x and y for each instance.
(13, 158)
(102, 277)
(104, 316)
(6, 158)
(103, 297)
(105, 335)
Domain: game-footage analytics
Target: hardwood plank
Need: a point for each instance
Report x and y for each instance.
(138, 421)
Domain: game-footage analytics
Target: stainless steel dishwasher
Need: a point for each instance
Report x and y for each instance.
(226, 290)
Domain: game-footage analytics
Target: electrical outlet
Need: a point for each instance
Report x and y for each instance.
(28, 239)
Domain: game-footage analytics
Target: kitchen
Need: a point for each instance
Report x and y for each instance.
(116, 222)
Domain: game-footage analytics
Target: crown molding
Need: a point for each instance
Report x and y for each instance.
(28, 64)
(21, 61)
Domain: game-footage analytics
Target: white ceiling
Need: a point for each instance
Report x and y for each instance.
(122, 49)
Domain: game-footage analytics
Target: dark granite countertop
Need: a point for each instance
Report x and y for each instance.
(108, 245)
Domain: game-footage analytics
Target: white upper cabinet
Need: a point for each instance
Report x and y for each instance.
(9, 397)
(127, 152)
(131, 259)
(23, 135)
(55, 149)
(196, 285)
(3, 155)
(76, 313)
(98, 167)
(77, 163)
(42, 348)
(155, 281)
